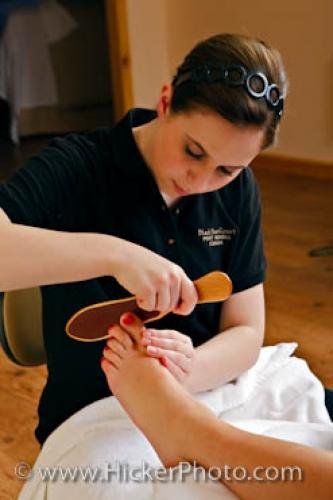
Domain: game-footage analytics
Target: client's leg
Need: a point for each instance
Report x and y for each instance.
(156, 401)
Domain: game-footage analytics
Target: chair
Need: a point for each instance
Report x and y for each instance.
(21, 327)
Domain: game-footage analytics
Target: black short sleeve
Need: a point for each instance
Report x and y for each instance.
(248, 265)
(57, 189)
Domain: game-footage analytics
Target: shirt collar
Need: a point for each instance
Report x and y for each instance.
(126, 153)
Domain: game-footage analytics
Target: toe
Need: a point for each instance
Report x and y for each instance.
(110, 372)
(133, 325)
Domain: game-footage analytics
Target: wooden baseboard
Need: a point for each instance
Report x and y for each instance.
(317, 169)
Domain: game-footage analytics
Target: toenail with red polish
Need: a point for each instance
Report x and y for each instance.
(163, 361)
(128, 319)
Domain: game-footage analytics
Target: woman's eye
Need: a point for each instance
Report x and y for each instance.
(224, 171)
(199, 156)
(189, 152)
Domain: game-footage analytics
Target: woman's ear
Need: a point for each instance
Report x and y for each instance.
(163, 104)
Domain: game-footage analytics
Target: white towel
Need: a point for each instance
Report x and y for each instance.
(277, 387)
(279, 396)
(57, 22)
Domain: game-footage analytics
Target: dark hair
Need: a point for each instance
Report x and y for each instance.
(234, 103)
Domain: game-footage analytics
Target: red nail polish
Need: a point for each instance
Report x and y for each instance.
(163, 361)
(128, 319)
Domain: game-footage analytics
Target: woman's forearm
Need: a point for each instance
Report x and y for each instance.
(223, 358)
(32, 256)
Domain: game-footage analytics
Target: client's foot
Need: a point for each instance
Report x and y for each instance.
(140, 383)
(123, 352)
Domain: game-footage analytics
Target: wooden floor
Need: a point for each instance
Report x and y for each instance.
(298, 216)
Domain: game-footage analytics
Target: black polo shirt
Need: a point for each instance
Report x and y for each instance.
(98, 182)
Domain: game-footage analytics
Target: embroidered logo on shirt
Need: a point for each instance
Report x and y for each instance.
(216, 237)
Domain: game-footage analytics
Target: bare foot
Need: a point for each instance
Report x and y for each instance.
(123, 353)
(138, 381)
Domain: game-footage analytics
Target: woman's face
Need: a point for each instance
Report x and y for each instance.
(199, 151)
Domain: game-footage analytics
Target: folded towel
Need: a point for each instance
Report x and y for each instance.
(278, 387)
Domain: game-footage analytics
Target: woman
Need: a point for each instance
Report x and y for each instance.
(144, 209)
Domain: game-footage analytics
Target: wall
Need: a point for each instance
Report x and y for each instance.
(300, 29)
(148, 46)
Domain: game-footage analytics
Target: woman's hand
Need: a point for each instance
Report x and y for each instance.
(174, 349)
(157, 283)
